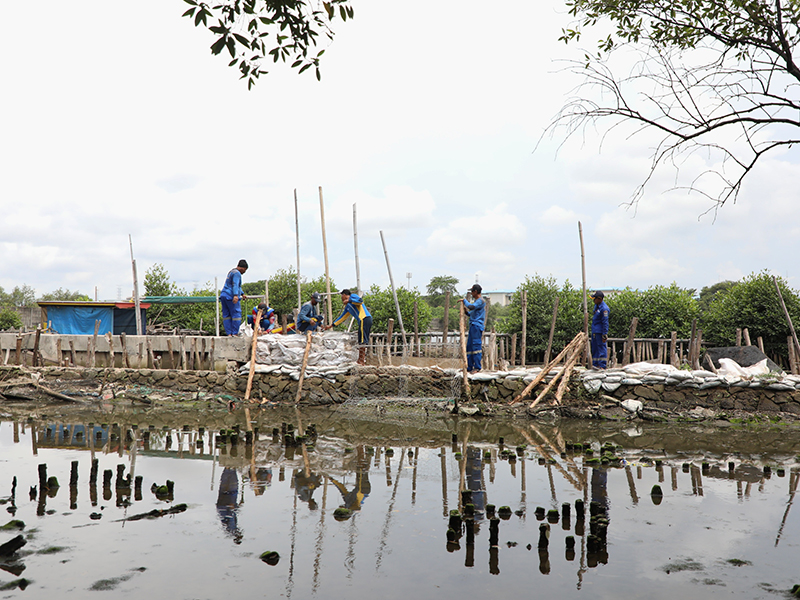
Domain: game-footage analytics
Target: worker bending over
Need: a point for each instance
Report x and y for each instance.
(354, 306)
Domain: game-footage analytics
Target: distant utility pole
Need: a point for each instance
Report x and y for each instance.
(408, 276)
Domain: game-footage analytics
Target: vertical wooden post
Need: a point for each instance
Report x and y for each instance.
(126, 361)
(355, 246)
(111, 358)
(628, 349)
(303, 367)
(171, 355)
(36, 361)
(72, 354)
(513, 349)
(697, 343)
(59, 356)
(692, 343)
(746, 333)
(493, 350)
(552, 332)
(297, 242)
(136, 301)
(416, 330)
(461, 329)
(792, 356)
(266, 292)
(760, 342)
(524, 345)
(588, 358)
(216, 308)
(212, 365)
(94, 341)
(673, 350)
(389, 328)
(184, 364)
(151, 359)
(256, 325)
(738, 336)
(446, 321)
(18, 351)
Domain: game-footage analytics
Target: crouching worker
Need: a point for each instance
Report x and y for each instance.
(268, 319)
(308, 319)
(354, 306)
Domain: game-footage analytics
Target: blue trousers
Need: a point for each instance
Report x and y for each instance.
(231, 315)
(599, 351)
(474, 351)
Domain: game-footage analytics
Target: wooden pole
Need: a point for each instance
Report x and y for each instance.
(697, 343)
(562, 385)
(253, 356)
(461, 328)
(513, 349)
(792, 357)
(691, 342)
(552, 332)
(355, 246)
(548, 367)
(124, 346)
(325, 254)
(36, 361)
(673, 352)
(171, 354)
(786, 313)
(738, 336)
(112, 359)
(394, 292)
(18, 350)
(628, 350)
(576, 351)
(446, 324)
(524, 345)
(760, 342)
(389, 333)
(416, 330)
(216, 308)
(72, 354)
(136, 301)
(746, 333)
(303, 367)
(94, 341)
(151, 358)
(184, 365)
(59, 356)
(297, 241)
(588, 360)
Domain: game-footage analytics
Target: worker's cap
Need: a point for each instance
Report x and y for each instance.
(316, 296)
(476, 288)
(243, 264)
(598, 294)
(263, 307)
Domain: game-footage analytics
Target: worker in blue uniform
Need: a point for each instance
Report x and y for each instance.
(231, 298)
(476, 309)
(354, 306)
(599, 331)
(309, 318)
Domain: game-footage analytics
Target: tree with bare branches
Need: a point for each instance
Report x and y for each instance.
(712, 76)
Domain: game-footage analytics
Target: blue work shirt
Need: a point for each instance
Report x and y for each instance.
(477, 312)
(307, 312)
(600, 319)
(354, 308)
(233, 285)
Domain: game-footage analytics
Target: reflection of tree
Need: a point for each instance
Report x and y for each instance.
(228, 504)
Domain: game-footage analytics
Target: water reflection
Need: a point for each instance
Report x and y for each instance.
(575, 480)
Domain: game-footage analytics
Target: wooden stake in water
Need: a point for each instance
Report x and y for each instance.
(303, 367)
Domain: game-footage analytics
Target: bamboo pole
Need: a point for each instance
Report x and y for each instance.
(303, 367)
(94, 341)
(416, 330)
(746, 333)
(513, 349)
(59, 356)
(760, 342)
(136, 300)
(389, 332)
(297, 240)
(394, 293)
(588, 361)
(126, 361)
(216, 307)
(111, 357)
(355, 247)
(461, 328)
(552, 332)
(569, 347)
(576, 353)
(738, 336)
(524, 342)
(562, 385)
(628, 349)
(697, 343)
(325, 254)
(792, 356)
(73, 356)
(446, 323)
(252, 357)
(673, 350)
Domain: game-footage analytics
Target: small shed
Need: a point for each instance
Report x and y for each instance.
(78, 318)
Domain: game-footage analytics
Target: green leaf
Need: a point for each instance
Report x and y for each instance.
(189, 12)
(342, 13)
(319, 75)
(242, 40)
(217, 46)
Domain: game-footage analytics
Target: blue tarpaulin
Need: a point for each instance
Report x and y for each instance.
(80, 320)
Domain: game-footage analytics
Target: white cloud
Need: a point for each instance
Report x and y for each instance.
(558, 215)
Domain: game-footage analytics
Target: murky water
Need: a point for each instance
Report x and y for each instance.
(714, 532)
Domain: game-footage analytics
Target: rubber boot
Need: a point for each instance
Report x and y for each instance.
(362, 356)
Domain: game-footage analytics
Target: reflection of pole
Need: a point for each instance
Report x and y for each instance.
(414, 477)
(389, 511)
(320, 539)
(293, 537)
(443, 456)
(793, 477)
(631, 485)
(462, 476)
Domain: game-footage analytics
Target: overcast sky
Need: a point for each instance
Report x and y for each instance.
(117, 120)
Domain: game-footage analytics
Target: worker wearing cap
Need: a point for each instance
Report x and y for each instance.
(268, 318)
(230, 298)
(309, 318)
(476, 309)
(354, 306)
(599, 331)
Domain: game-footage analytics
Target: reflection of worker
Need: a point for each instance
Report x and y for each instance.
(231, 298)
(474, 471)
(354, 498)
(309, 318)
(354, 306)
(476, 309)
(263, 480)
(227, 503)
(599, 331)
(305, 486)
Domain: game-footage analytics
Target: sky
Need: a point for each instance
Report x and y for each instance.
(429, 119)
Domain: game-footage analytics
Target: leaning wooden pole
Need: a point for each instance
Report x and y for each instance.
(786, 313)
(588, 360)
(297, 242)
(303, 367)
(577, 351)
(461, 329)
(548, 367)
(394, 293)
(325, 253)
(256, 325)
(136, 302)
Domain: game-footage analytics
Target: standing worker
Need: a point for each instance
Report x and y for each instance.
(599, 331)
(309, 318)
(476, 309)
(354, 306)
(231, 298)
